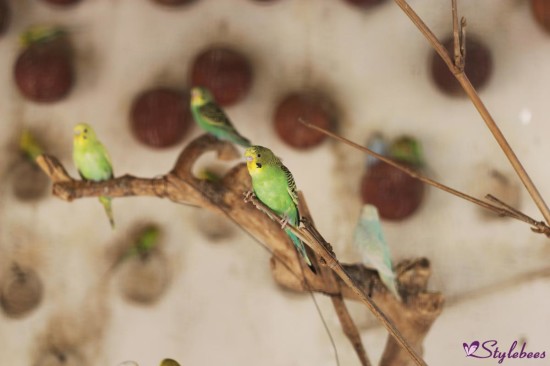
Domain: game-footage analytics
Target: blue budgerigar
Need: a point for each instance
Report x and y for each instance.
(369, 241)
(378, 144)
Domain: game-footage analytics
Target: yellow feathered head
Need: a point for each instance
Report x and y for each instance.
(200, 96)
(83, 133)
(258, 156)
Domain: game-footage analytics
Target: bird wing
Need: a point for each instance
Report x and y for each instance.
(215, 116)
(94, 163)
(369, 240)
(290, 185)
(106, 158)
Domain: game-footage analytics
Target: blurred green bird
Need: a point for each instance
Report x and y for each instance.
(93, 161)
(211, 118)
(274, 185)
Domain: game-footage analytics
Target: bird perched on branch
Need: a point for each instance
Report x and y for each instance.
(274, 186)
(369, 241)
(93, 161)
(211, 118)
(29, 146)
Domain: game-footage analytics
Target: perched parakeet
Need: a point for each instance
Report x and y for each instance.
(146, 241)
(29, 146)
(169, 362)
(92, 161)
(408, 150)
(274, 185)
(369, 241)
(211, 118)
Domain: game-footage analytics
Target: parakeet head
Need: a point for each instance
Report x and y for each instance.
(378, 144)
(83, 133)
(257, 157)
(369, 212)
(200, 96)
(408, 150)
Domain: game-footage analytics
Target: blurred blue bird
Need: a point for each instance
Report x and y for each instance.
(369, 241)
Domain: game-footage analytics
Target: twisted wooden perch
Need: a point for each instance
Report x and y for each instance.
(408, 322)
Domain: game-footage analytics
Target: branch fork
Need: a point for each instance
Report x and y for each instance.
(339, 281)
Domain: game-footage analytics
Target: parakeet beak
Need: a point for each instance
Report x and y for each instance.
(249, 158)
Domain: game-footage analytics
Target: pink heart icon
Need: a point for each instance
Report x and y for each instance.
(470, 349)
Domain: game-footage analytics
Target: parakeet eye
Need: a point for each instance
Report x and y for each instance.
(259, 156)
(258, 165)
(85, 130)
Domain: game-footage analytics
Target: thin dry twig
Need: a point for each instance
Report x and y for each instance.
(459, 36)
(502, 209)
(459, 74)
(349, 328)
(321, 248)
(225, 197)
(346, 321)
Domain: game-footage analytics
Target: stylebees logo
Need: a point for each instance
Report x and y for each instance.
(490, 349)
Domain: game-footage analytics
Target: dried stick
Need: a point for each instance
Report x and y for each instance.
(309, 235)
(459, 74)
(348, 326)
(502, 209)
(225, 197)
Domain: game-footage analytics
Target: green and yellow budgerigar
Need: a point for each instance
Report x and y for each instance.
(147, 241)
(169, 362)
(211, 118)
(92, 161)
(407, 149)
(29, 145)
(274, 185)
(40, 34)
(369, 240)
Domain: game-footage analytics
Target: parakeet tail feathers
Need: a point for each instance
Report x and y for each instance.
(243, 141)
(391, 284)
(106, 202)
(301, 249)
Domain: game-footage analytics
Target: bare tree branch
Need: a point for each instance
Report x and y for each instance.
(348, 326)
(502, 209)
(226, 197)
(458, 72)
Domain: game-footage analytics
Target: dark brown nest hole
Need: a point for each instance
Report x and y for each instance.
(478, 67)
(366, 4)
(312, 107)
(173, 2)
(28, 181)
(44, 72)
(225, 72)
(21, 291)
(161, 117)
(396, 194)
(62, 2)
(214, 227)
(143, 279)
